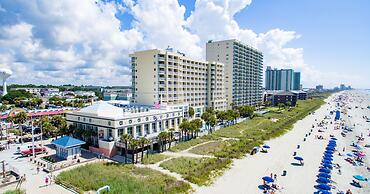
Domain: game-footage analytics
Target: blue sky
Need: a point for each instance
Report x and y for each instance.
(88, 42)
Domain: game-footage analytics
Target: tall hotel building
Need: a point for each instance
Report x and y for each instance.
(282, 79)
(168, 77)
(243, 70)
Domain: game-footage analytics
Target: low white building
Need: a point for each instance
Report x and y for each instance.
(108, 122)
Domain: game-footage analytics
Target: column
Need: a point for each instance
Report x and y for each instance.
(142, 130)
(134, 131)
(176, 126)
(125, 130)
(115, 134)
(150, 128)
(157, 126)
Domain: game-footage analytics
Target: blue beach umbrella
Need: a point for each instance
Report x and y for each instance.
(324, 170)
(323, 180)
(330, 148)
(268, 179)
(325, 175)
(329, 152)
(328, 158)
(298, 158)
(326, 162)
(323, 187)
(350, 154)
(359, 177)
(333, 138)
(327, 166)
(332, 144)
(328, 155)
(266, 146)
(324, 192)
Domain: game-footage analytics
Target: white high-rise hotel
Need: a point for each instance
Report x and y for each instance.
(168, 77)
(232, 74)
(243, 70)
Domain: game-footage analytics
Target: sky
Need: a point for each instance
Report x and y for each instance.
(88, 41)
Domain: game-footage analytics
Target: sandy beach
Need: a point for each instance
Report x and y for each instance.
(245, 176)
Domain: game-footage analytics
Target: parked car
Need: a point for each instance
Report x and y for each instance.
(38, 150)
(24, 148)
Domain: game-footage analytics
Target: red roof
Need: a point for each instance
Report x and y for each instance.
(43, 113)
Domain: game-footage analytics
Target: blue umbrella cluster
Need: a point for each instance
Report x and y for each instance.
(325, 170)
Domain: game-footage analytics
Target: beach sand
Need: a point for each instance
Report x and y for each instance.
(245, 174)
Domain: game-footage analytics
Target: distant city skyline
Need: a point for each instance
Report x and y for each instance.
(327, 41)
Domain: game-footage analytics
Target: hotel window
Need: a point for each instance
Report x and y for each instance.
(130, 121)
(109, 123)
(129, 131)
(110, 133)
(154, 127)
(138, 120)
(121, 123)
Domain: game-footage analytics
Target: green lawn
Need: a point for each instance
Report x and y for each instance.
(121, 179)
(200, 171)
(154, 158)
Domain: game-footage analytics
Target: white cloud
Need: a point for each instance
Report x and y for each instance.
(81, 42)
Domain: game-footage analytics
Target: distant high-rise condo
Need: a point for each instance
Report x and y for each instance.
(297, 81)
(168, 77)
(243, 70)
(282, 79)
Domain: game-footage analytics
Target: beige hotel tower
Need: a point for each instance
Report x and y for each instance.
(169, 77)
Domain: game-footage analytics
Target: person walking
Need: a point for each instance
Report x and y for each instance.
(38, 169)
(46, 180)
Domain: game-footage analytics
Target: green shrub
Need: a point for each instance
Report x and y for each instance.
(154, 158)
(200, 171)
(121, 179)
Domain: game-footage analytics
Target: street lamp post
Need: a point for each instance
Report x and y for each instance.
(33, 139)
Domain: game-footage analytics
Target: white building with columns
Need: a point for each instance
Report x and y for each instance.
(109, 122)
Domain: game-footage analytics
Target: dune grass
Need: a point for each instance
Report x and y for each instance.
(15, 191)
(200, 171)
(121, 179)
(154, 158)
(188, 144)
(207, 148)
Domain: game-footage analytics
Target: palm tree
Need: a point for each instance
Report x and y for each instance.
(41, 123)
(143, 141)
(183, 127)
(60, 123)
(126, 138)
(20, 118)
(171, 130)
(133, 146)
(162, 136)
(191, 112)
(206, 116)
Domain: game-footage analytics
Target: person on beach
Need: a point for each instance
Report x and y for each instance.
(38, 169)
(275, 177)
(46, 180)
(349, 191)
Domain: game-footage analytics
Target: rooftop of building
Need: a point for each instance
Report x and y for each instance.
(106, 110)
(237, 41)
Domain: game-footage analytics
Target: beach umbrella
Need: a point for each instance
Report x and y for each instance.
(328, 155)
(328, 152)
(330, 148)
(350, 154)
(331, 145)
(359, 177)
(327, 166)
(332, 141)
(323, 180)
(323, 187)
(328, 158)
(266, 146)
(298, 158)
(324, 192)
(268, 179)
(326, 161)
(333, 138)
(325, 175)
(324, 170)
(361, 154)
